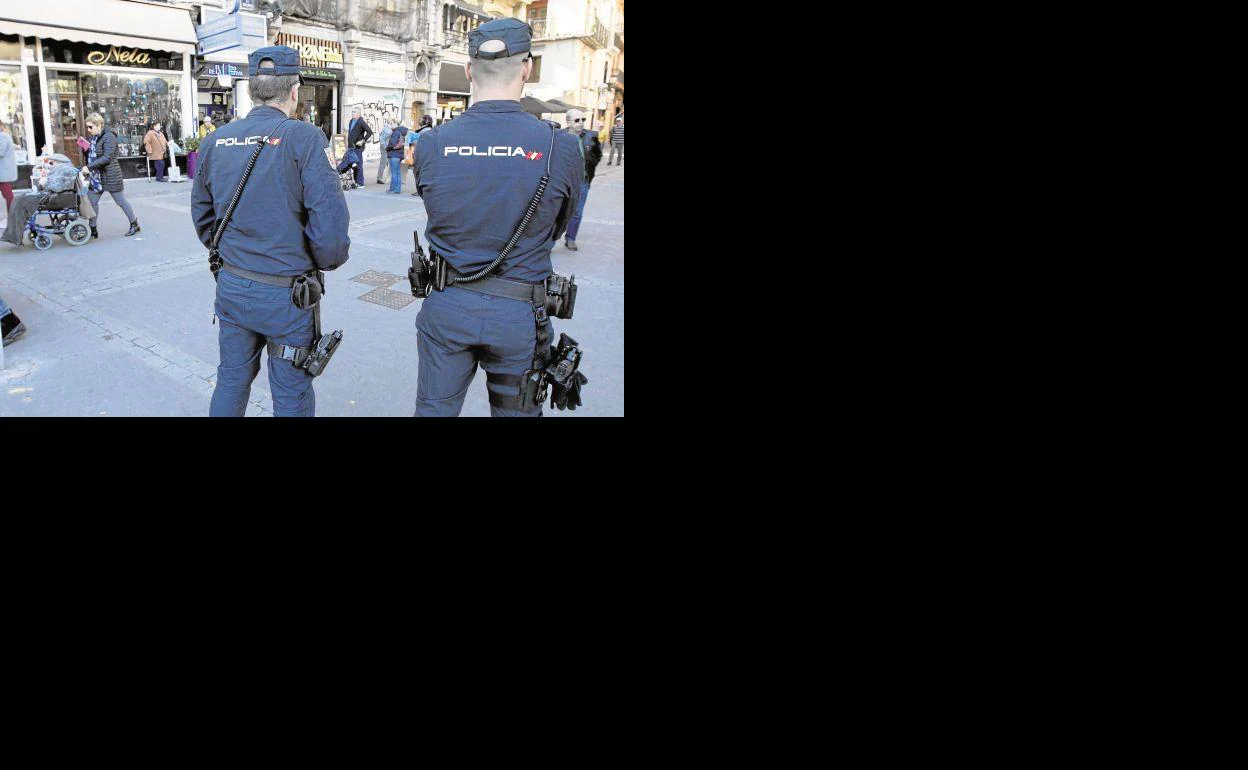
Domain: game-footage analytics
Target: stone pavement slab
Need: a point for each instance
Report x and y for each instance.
(124, 326)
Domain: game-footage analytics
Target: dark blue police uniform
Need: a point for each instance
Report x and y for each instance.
(477, 175)
(292, 218)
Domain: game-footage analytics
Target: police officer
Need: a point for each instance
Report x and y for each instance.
(477, 175)
(291, 219)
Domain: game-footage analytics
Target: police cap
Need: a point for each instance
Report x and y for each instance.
(285, 61)
(515, 34)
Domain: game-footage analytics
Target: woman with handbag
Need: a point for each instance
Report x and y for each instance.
(156, 145)
(106, 171)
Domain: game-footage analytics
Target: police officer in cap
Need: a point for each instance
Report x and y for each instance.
(290, 219)
(477, 175)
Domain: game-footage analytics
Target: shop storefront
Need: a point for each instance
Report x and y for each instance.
(321, 67)
(15, 100)
(379, 91)
(132, 68)
(454, 92)
(129, 100)
(215, 93)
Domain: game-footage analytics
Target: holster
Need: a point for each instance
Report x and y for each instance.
(308, 289)
(427, 274)
(560, 295)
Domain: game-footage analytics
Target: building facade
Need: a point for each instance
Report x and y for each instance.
(59, 62)
(140, 61)
(578, 48)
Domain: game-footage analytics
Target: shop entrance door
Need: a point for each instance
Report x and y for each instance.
(66, 104)
(318, 106)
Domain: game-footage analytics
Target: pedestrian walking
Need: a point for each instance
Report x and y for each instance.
(105, 172)
(479, 176)
(394, 154)
(8, 165)
(409, 157)
(11, 327)
(591, 151)
(617, 142)
(206, 128)
(157, 145)
(383, 162)
(290, 222)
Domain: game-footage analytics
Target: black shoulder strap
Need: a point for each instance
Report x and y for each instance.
(229, 212)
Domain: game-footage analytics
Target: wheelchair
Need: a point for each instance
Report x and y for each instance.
(64, 219)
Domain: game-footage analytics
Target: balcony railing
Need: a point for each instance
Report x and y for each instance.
(457, 39)
(601, 34)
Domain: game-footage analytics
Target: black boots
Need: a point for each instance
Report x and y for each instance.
(94, 232)
(134, 227)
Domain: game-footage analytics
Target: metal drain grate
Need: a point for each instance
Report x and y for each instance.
(395, 300)
(375, 278)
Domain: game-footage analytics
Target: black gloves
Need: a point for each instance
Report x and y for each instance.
(567, 397)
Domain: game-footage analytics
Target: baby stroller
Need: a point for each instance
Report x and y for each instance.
(346, 175)
(64, 219)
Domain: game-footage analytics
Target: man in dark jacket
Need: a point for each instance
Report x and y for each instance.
(291, 219)
(591, 151)
(358, 134)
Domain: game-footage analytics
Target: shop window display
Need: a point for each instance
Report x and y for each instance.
(11, 109)
(129, 104)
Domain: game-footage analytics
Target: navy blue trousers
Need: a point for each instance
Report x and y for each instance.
(249, 312)
(459, 329)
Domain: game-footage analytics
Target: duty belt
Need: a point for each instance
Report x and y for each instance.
(533, 293)
(285, 281)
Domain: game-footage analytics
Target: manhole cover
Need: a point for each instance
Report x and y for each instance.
(375, 278)
(395, 300)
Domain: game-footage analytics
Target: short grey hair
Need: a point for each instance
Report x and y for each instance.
(493, 72)
(265, 89)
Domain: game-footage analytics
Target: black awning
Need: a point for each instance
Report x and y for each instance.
(451, 77)
(472, 10)
(536, 106)
(564, 106)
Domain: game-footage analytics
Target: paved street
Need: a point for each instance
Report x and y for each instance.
(123, 326)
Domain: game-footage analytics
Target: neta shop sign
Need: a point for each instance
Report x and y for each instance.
(133, 57)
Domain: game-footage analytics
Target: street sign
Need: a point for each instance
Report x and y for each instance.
(219, 34)
(220, 42)
(255, 28)
(216, 26)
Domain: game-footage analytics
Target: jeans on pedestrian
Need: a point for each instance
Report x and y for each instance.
(383, 166)
(118, 198)
(160, 170)
(614, 147)
(574, 224)
(249, 312)
(396, 175)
